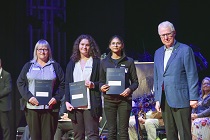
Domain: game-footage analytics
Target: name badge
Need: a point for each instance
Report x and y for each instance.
(90, 67)
(123, 66)
(35, 68)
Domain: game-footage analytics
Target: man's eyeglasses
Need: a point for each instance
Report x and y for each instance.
(167, 34)
(42, 50)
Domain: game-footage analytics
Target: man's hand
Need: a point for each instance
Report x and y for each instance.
(157, 106)
(194, 104)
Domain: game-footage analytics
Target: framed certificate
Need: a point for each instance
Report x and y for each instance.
(43, 91)
(115, 78)
(78, 94)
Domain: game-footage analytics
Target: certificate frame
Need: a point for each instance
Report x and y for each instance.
(78, 94)
(115, 78)
(43, 91)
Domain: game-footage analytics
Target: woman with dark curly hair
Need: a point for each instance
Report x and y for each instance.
(84, 66)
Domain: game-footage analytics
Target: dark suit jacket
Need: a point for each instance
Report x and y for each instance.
(5, 91)
(180, 77)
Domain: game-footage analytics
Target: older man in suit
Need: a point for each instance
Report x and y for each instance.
(5, 101)
(175, 83)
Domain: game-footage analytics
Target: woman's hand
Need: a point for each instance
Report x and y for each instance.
(89, 84)
(69, 107)
(194, 116)
(126, 92)
(141, 120)
(65, 116)
(33, 101)
(105, 88)
(52, 102)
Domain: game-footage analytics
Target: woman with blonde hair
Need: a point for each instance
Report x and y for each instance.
(201, 114)
(42, 119)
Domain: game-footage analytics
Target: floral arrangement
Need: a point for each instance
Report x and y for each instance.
(144, 104)
(200, 127)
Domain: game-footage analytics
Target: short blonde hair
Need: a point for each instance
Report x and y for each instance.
(42, 42)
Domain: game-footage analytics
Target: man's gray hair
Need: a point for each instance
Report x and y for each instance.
(166, 24)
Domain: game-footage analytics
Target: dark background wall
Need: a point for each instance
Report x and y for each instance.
(136, 21)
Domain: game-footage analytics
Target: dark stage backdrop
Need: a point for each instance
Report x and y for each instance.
(136, 21)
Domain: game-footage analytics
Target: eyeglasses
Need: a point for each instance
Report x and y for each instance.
(208, 84)
(42, 50)
(167, 34)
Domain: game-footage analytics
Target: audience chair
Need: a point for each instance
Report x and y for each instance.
(19, 133)
(161, 132)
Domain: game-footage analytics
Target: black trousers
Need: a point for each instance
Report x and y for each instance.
(85, 124)
(177, 121)
(62, 128)
(5, 125)
(117, 110)
(42, 123)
